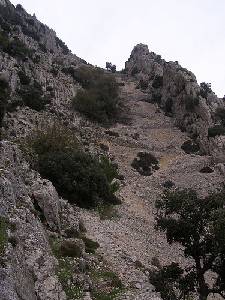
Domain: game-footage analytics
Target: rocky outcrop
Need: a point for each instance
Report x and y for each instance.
(27, 270)
(175, 89)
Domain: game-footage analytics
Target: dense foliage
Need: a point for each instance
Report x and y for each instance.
(199, 226)
(99, 100)
(78, 176)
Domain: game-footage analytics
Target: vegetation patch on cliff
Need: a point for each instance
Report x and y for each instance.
(99, 100)
(78, 176)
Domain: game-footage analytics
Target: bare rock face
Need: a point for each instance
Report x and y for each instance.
(28, 267)
(176, 90)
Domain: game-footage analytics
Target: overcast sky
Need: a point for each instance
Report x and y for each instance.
(190, 31)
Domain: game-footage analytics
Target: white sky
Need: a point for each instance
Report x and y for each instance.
(190, 31)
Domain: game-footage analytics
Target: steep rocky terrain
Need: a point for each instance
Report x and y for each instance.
(156, 96)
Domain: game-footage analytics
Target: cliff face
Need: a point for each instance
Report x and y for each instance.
(159, 97)
(177, 92)
(32, 53)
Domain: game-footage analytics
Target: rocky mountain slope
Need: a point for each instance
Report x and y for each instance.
(164, 116)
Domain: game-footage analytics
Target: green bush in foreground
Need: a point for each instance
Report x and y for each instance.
(199, 226)
(99, 101)
(77, 176)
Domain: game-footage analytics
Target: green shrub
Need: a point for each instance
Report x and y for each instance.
(191, 102)
(134, 71)
(205, 89)
(190, 147)
(157, 82)
(24, 79)
(216, 130)
(62, 45)
(76, 175)
(65, 273)
(90, 246)
(18, 49)
(100, 100)
(169, 105)
(4, 95)
(33, 97)
(3, 235)
(143, 84)
(220, 113)
(145, 163)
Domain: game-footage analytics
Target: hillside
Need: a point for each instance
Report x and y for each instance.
(51, 247)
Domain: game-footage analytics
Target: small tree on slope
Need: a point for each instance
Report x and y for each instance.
(199, 226)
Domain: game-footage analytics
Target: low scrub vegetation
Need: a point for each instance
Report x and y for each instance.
(220, 114)
(4, 95)
(3, 235)
(77, 175)
(145, 163)
(99, 99)
(191, 103)
(190, 146)
(157, 82)
(216, 130)
(198, 225)
(32, 95)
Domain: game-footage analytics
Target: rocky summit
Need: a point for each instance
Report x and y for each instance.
(85, 153)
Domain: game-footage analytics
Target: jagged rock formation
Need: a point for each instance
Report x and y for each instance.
(35, 213)
(178, 93)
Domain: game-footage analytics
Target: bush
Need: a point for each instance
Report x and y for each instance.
(76, 175)
(62, 45)
(190, 147)
(100, 100)
(17, 49)
(220, 113)
(134, 71)
(143, 84)
(4, 95)
(157, 82)
(168, 184)
(206, 169)
(205, 89)
(169, 106)
(216, 130)
(191, 102)
(33, 97)
(145, 163)
(24, 79)
(197, 224)
(90, 246)
(3, 235)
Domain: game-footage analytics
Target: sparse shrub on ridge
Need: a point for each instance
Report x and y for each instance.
(205, 89)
